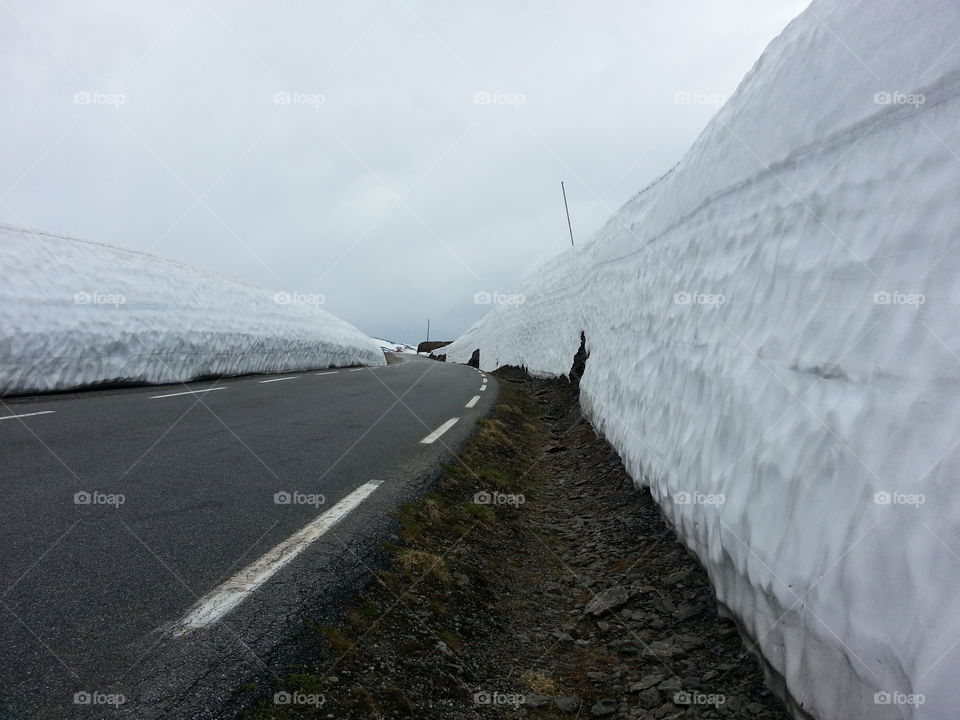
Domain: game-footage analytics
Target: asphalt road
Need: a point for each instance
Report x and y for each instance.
(150, 545)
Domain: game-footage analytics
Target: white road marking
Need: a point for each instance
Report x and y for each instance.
(484, 381)
(329, 372)
(482, 388)
(473, 401)
(188, 392)
(356, 369)
(288, 377)
(432, 437)
(221, 600)
(42, 412)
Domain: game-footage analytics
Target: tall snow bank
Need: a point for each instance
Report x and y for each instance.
(76, 313)
(773, 343)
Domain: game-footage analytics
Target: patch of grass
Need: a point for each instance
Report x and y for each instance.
(411, 519)
(361, 699)
(369, 609)
(434, 509)
(478, 513)
(451, 639)
(438, 607)
(394, 699)
(307, 683)
(335, 638)
(419, 563)
(493, 478)
(495, 431)
(540, 683)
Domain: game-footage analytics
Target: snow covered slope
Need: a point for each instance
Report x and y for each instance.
(774, 349)
(76, 313)
(392, 345)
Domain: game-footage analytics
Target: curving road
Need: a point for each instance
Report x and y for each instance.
(167, 544)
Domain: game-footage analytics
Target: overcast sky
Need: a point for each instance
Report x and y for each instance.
(395, 156)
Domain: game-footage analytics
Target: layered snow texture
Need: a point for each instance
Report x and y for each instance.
(76, 313)
(775, 322)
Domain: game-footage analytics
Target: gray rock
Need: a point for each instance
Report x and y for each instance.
(443, 648)
(609, 599)
(662, 649)
(568, 704)
(734, 703)
(604, 708)
(650, 698)
(677, 577)
(670, 685)
(533, 700)
(685, 613)
(667, 710)
(646, 681)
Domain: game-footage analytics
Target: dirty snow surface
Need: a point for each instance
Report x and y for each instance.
(76, 313)
(774, 350)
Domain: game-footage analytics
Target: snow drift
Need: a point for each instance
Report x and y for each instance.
(774, 351)
(76, 313)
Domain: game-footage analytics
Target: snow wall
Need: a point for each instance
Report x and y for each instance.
(775, 321)
(76, 313)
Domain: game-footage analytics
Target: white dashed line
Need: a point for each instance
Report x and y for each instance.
(482, 388)
(221, 600)
(288, 377)
(329, 372)
(484, 381)
(356, 369)
(42, 412)
(432, 437)
(188, 392)
(473, 401)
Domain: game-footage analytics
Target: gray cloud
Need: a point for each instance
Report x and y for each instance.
(395, 156)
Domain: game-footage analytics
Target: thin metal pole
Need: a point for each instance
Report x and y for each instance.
(428, 329)
(565, 207)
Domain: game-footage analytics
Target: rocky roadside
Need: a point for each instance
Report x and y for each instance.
(536, 582)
